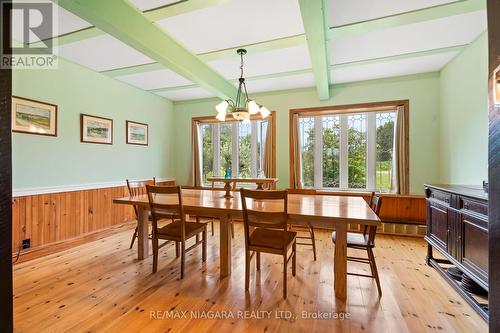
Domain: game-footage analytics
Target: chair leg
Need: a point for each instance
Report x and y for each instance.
(294, 258)
(155, 254)
(257, 254)
(212, 223)
(197, 238)
(204, 248)
(247, 270)
(134, 236)
(177, 252)
(183, 258)
(284, 274)
(375, 271)
(232, 229)
(313, 240)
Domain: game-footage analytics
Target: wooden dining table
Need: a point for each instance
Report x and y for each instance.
(325, 211)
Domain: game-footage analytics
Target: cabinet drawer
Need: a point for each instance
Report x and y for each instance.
(473, 206)
(443, 197)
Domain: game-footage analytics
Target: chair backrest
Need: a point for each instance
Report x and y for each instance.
(264, 209)
(165, 202)
(376, 204)
(370, 201)
(138, 187)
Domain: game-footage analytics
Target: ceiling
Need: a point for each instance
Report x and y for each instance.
(291, 43)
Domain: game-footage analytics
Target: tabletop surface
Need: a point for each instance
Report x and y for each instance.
(300, 205)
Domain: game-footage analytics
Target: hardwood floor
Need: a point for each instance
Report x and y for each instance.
(102, 287)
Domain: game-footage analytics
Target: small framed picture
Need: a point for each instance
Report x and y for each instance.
(33, 117)
(137, 133)
(95, 129)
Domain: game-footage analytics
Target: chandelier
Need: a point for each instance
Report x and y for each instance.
(243, 107)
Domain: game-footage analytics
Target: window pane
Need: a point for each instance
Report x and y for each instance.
(384, 150)
(356, 160)
(225, 147)
(245, 150)
(331, 151)
(208, 151)
(306, 136)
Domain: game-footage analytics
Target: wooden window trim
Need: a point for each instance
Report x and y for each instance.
(345, 109)
(212, 120)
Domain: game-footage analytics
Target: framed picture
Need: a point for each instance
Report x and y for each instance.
(96, 129)
(33, 117)
(137, 133)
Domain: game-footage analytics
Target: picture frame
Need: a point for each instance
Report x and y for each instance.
(137, 133)
(30, 116)
(94, 129)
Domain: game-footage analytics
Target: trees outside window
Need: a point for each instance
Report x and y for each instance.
(347, 151)
(234, 146)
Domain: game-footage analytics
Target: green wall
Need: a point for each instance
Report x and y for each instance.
(464, 116)
(422, 91)
(40, 161)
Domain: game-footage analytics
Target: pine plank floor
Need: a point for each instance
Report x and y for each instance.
(102, 287)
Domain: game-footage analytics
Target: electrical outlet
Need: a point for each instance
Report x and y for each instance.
(26, 243)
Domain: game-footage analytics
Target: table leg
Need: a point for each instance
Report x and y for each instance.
(225, 246)
(143, 233)
(340, 266)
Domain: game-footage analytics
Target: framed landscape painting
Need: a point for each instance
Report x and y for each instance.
(95, 129)
(33, 117)
(137, 133)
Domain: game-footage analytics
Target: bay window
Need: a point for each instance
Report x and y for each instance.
(234, 148)
(350, 148)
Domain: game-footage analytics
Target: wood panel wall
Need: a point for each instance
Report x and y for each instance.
(51, 218)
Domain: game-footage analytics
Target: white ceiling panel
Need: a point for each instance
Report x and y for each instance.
(103, 53)
(65, 22)
(269, 62)
(393, 68)
(186, 94)
(281, 83)
(238, 22)
(163, 78)
(150, 4)
(449, 31)
(343, 12)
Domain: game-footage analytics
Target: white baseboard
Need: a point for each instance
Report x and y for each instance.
(21, 192)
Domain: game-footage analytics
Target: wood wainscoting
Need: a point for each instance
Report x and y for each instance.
(56, 221)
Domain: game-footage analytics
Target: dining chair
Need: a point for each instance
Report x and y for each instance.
(136, 188)
(365, 241)
(266, 231)
(306, 232)
(165, 203)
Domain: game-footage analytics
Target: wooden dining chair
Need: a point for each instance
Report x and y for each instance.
(365, 241)
(165, 203)
(306, 232)
(266, 230)
(136, 188)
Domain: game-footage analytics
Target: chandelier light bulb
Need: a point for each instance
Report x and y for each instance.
(222, 107)
(253, 107)
(264, 112)
(221, 116)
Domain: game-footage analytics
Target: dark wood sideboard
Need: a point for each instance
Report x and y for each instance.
(457, 227)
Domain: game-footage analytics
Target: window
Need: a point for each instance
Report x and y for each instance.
(234, 147)
(347, 150)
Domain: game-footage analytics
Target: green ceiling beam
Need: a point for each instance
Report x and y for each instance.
(124, 22)
(153, 15)
(133, 69)
(269, 45)
(416, 16)
(457, 49)
(314, 16)
(219, 54)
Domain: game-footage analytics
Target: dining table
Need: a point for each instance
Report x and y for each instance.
(324, 211)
